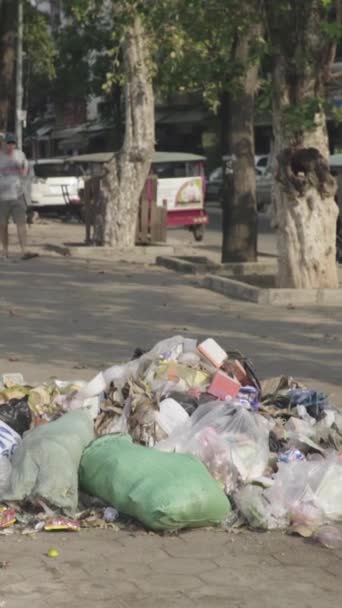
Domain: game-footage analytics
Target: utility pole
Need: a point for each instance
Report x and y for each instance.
(19, 77)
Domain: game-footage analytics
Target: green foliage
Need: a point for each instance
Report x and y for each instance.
(335, 112)
(299, 118)
(84, 50)
(39, 45)
(332, 30)
(195, 49)
(191, 43)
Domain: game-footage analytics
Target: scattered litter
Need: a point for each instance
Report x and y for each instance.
(329, 536)
(291, 456)
(110, 515)
(173, 438)
(53, 553)
(61, 524)
(7, 517)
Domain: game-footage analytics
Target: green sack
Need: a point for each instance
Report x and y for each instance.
(163, 491)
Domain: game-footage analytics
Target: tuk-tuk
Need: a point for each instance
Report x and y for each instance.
(181, 185)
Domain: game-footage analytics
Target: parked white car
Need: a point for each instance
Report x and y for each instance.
(54, 183)
(214, 186)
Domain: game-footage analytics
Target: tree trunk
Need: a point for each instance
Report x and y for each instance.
(239, 208)
(126, 174)
(306, 213)
(8, 18)
(304, 189)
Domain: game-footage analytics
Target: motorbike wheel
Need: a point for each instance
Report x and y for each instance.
(198, 232)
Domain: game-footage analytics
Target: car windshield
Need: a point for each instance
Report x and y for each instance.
(180, 169)
(46, 170)
(262, 162)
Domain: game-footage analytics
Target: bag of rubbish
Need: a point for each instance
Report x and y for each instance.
(9, 440)
(45, 465)
(162, 491)
(257, 510)
(305, 493)
(17, 414)
(228, 438)
(5, 473)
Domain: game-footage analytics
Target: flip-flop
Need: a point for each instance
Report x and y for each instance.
(30, 256)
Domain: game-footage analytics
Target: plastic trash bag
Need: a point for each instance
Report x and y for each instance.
(45, 465)
(229, 439)
(305, 494)
(257, 510)
(162, 491)
(5, 473)
(17, 414)
(9, 440)
(309, 492)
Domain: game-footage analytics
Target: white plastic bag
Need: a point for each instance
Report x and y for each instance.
(229, 439)
(9, 440)
(308, 492)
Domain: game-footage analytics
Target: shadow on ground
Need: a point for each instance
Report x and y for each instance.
(69, 312)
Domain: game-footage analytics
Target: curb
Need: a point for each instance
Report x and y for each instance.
(275, 297)
(203, 266)
(137, 255)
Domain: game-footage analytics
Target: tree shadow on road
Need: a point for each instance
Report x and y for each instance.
(68, 311)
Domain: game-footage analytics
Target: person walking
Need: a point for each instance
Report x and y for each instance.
(13, 169)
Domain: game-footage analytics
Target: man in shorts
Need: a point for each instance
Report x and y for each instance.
(13, 168)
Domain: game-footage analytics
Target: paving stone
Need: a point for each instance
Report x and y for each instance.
(167, 583)
(183, 566)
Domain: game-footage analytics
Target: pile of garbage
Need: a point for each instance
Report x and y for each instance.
(181, 436)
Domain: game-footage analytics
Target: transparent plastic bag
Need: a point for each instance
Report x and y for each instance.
(310, 492)
(257, 510)
(228, 438)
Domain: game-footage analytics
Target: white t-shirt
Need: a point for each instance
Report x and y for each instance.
(11, 172)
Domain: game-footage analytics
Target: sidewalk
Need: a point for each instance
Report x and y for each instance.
(68, 318)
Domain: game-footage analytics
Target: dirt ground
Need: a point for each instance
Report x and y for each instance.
(69, 318)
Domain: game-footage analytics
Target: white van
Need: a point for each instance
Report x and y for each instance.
(54, 183)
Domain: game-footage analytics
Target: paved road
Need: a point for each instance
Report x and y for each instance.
(213, 237)
(69, 318)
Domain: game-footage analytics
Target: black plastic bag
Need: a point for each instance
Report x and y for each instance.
(17, 414)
